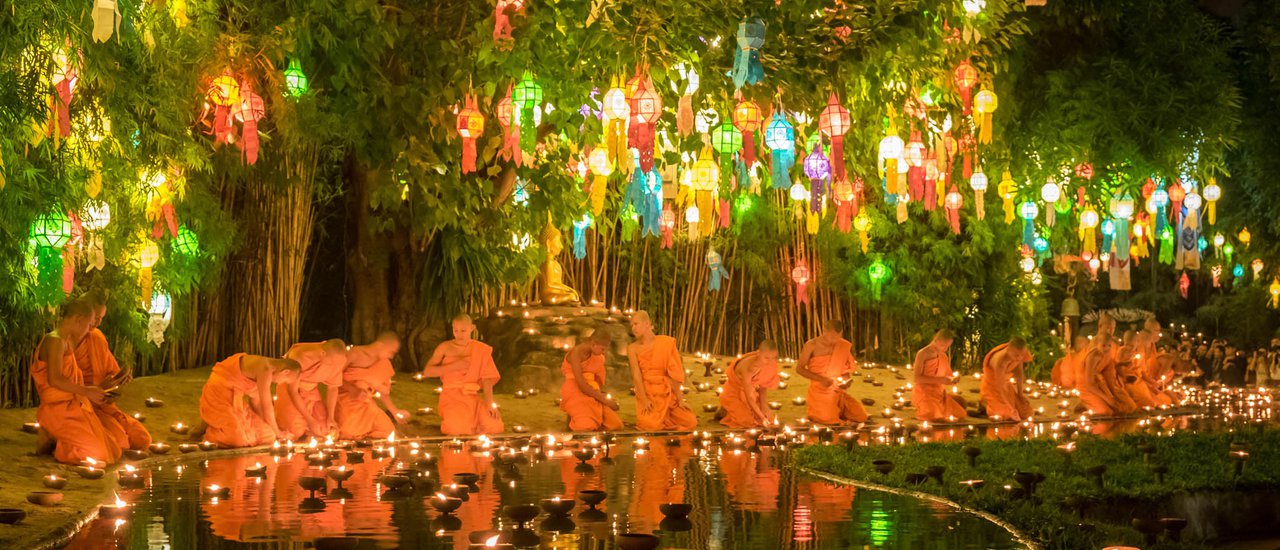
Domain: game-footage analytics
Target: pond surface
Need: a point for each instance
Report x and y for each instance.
(740, 500)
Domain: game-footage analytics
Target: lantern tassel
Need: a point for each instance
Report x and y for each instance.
(837, 157)
(48, 274)
(802, 293)
(747, 68)
(783, 160)
(579, 241)
(599, 190)
(748, 149)
(468, 155)
(106, 19)
(249, 141)
(63, 107)
(68, 270)
(684, 115)
(844, 216)
(724, 214)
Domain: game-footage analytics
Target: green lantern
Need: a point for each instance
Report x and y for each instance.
(52, 230)
(526, 97)
(878, 273)
(726, 139)
(186, 243)
(295, 80)
(49, 233)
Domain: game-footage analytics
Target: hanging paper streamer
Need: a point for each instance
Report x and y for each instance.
(644, 194)
(49, 233)
(1274, 290)
(684, 110)
(780, 136)
(160, 211)
(966, 76)
(601, 168)
(862, 224)
(747, 118)
(726, 139)
(96, 217)
(646, 109)
(834, 123)
(1217, 275)
(1184, 285)
(800, 274)
(1007, 188)
(984, 104)
(1089, 220)
(1188, 255)
(147, 258)
(248, 111)
(953, 203)
(580, 236)
(158, 315)
(746, 61)
(503, 10)
(509, 118)
(978, 182)
(878, 273)
(1212, 193)
(1029, 211)
(526, 99)
(716, 266)
(470, 127)
(106, 19)
(1166, 246)
(65, 78)
(1050, 193)
(224, 92)
(846, 203)
(914, 154)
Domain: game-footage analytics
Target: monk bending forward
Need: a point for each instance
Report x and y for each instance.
(1002, 379)
(745, 400)
(657, 372)
(582, 396)
(322, 364)
(236, 400)
(365, 382)
(933, 374)
(825, 361)
(466, 369)
(66, 402)
(100, 368)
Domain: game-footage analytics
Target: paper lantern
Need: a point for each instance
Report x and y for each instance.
(296, 82)
(715, 265)
(746, 59)
(800, 274)
(1028, 210)
(684, 109)
(1237, 271)
(470, 127)
(706, 173)
(1244, 237)
(1027, 264)
(223, 92)
(747, 117)
(509, 118)
(1007, 189)
(845, 194)
(147, 258)
(892, 150)
(861, 224)
(1122, 206)
(580, 236)
(646, 109)
(49, 233)
(726, 139)
(834, 123)
(1050, 193)
(248, 111)
(601, 167)
(186, 243)
(1257, 266)
(780, 137)
(953, 202)
(978, 182)
(877, 274)
(1192, 202)
(526, 100)
(965, 77)
(615, 104)
(667, 226)
(706, 120)
(158, 314)
(1211, 194)
(1177, 194)
(798, 192)
(984, 105)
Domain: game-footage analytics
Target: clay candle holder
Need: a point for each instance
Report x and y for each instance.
(591, 497)
(54, 481)
(129, 479)
(117, 510)
(180, 428)
(208, 446)
(339, 474)
(675, 510)
(44, 498)
(153, 403)
(972, 453)
(185, 448)
(313, 484)
(444, 504)
(973, 484)
(936, 473)
(522, 514)
(216, 491)
(90, 472)
(10, 516)
(159, 448)
(394, 482)
(355, 457)
(139, 417)
(557, 506)
(134, 454)
(31, 427)
(585, 454)
(257, 470)
(774, 406)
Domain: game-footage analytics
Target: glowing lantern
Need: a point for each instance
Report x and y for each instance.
(861, 224)
(1121, 207)
(1028, 210)
(295, 80)
(726, 139)
(1176, 195)
(978, 182)
(49, 233)
(1027, 263)
(780, 137)
(96, 216)
(617, 110)
(834, 123)
(965, 77)
(705, 172)
(249, 110)
(691, 215)
(1212, 193)
(892, 149)
(717, 271)
(601, 167)
(526, 100)
(1088, 224)
(1244, 237)
(667, 225)
(877, 274)
(1237, 271)
(746, 60)
(580, 236)
(64, 80)
(1192, 202)
(646, 109)
(509, 119)
(973, 7)
(1006, 189)
(684, 109)
(186, 243)
(1050, 193)
(147, 258)
(747, 117)
(985, 103)
(800, 274)
(1156, 204)
(846, 203)
(1257, 266)
(818, 169)
(953, 202)
(223, 92)
(158, 315)
(470, 127)
(706, 120)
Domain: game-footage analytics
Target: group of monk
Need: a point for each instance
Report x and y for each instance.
(1118, 377)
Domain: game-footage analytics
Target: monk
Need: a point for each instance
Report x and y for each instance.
(1133, 372)
(1095, 394)
(1066, 370)
(825, 361)
(933, 374)
(582, 396)
(1002, 379)
(745, 398)
(365, 382)
(66, 402)
(321, 363)
(1123, 359)
(466, 369)
(657, 372)
(235, 403)
(99, 367)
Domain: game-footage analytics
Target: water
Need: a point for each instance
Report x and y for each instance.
(741, 500)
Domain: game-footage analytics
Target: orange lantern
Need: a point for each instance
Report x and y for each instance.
(748, 118)
(800, 274)
(835, 122)
(646, 109)
(966, 77)
(507, 117)
(249, 110)
(470, 127)
(223, 92)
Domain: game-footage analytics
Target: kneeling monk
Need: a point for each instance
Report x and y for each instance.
(365, 382)
(66, 402)
(233, 422)
(825, 360)
(467, 372)
(100, 368)
(1002, 379)
(745, 400)
(933, 374)
(657, 372)
(582, 396)
(321, 363)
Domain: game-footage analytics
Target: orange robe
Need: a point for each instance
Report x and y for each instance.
(931, 400)
(317, 368)
(463, 410)
(359, 416)
(659, 365)
(585, 413)
(749, 479)
(832, 405)
(69, 418)
(1159, 372)
(1121, 360)
(659, 479)
(231, 421)
(1001, 396)
(1064, 371)
(96, 362)
(737, 411)
(1099, 402)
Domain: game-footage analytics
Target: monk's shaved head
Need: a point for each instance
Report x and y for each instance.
(1017, 343)
(641, 324)
(77, 308)
(834, 325)
(95, 298)
(643, 316)
(599, 336)
(945, 334)
(334, 345)
(388, 337)
(461, 318)
(768, 345)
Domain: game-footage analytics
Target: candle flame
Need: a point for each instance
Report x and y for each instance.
(491, 542)
(119, 503)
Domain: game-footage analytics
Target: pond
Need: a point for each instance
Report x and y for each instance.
(741, 499)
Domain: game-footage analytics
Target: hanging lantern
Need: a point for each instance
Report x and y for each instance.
(715, 265)
(846, 203)
(470, 127)
(878, 273)
(891, 150)
(106, 19)
(1244, 237)
(798, 192)
(684, 110)
(248, 111)
(1192, 202)
(1177, 194)
(601, 168)
(526, 101)
(861, 224)
(295, 81)
(158, 315)
(646, 109)
(984, 104)
(746, 60)
(706, 173)
(978, 182)
(1007, 189)
(726, 139)
(1027, 263)
(1184, 285)
(64, 82)
(668, 225)
(914, 156)
(147, 258)
(1121, 207)
(1237, 271)
(1028, 210)
(1088, 225)
(834, 123)
(580, 236)
(780, 137)
(800, 274)
(49, 233)
(96, 217)
(1212, 193)
(223, 93)
(1156, 206)
(1050, 193)
(1274, 290)
(1257, 266)
(965, 78)
(503, 10)
(747, 117)
(186, 243)
(953, 202)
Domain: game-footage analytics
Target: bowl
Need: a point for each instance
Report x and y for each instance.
(466, 478)
(31, 427)
(394, 481)
(134, 454)
(557, 507)
(159, 448)
(55, 484)
(339, 475)
(153, 403)
(10, 516)
(188, 448)
(637, 541)
(90, 473)
(445, 505)
(521, 513)
(675, 510)
(312, 483)
(592, 497)
(44, 498)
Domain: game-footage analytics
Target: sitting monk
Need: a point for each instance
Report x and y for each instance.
(1123, 358)
(321, 363)
(744, 400)
(1134, 372)
(1002, 379)
(825, 361)
(365, 382)
(657, 372)
(582, 396)
(1065, 369)
(66, 411)
(933, 374)
(467, 372)
(99, 367)
(230, 420)
(1095, 393)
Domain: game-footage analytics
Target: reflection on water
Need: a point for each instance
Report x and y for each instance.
(740, 499)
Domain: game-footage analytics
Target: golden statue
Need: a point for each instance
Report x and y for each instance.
(552, 288)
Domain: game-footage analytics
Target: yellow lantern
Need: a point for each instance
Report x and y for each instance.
(984, 104)
(1275, 293)
(147, 258)
(1244, 236)
(1007, 188)
(1212, 193)
(601, 167)
(861, 223)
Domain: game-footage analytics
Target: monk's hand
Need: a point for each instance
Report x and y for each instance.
(332, 427)
(400, 415)
(317, 428)
(644, 404)
(828, 383)
(611, 403)
(95, 395)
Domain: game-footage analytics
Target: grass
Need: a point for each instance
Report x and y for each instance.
(1196, 462)
(181, 393)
